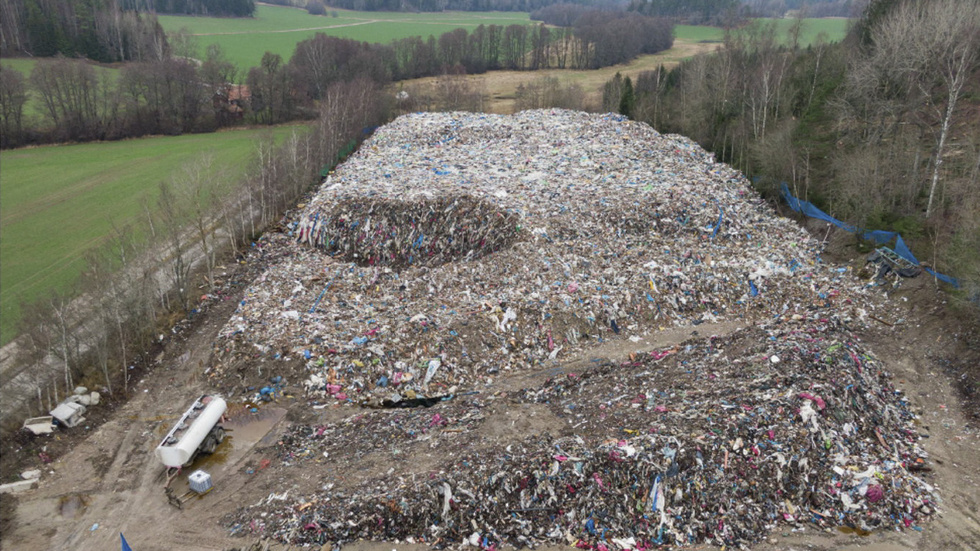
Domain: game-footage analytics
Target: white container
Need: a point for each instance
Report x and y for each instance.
(199, 481)
(180, 444)
(69, 413)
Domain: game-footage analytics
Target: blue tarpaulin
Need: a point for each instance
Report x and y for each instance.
(878, 236)
(721, 218)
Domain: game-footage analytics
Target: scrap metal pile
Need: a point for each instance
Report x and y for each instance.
(456, 249)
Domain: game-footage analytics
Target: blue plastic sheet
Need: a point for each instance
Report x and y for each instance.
(721, 218)
(880, 237)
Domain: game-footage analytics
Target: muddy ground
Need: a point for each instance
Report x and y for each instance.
(103, 479)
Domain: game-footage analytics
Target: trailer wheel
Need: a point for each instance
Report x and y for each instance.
(219, 435)
(209, 444)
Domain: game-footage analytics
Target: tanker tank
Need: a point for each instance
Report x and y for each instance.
(197, 431)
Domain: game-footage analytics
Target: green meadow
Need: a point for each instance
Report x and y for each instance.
(277, 29)
(832, 30)
(58, 203)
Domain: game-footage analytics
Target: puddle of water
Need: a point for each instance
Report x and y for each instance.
(854, 531)
(243, 430)
(219, 457)
(70, 506)
(258, 426)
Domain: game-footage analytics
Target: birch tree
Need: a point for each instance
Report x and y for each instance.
(935, 47)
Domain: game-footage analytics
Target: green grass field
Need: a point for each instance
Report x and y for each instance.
(833, 30)
(59, 202)
(21, 64)
(698, 33)
(277, 29)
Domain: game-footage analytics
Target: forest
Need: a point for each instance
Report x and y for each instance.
(213, 8)
(100, 30)
(881, 130)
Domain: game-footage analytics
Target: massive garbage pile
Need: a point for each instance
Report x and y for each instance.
(454, 250)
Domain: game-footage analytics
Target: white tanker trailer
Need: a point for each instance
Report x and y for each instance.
(198, 431)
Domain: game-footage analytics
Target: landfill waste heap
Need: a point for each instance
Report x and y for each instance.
(455, 250)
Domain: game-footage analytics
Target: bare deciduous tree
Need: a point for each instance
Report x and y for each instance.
(931, 48)
(196, 188)
(13, 96)
(69, 93)
(172, 217)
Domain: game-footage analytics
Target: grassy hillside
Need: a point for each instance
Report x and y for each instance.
(59, 202)
(277, 29)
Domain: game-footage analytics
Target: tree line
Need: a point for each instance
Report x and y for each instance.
(691, 12)
(100, 30)
(880, 130)
(78, 102)
(171, 95)
(436, 5)
(607, 37)
(214, 8)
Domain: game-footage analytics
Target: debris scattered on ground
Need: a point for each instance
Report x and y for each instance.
(713, 441)
(454, 248)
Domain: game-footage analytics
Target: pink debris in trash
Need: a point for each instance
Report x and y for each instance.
(875, 493)
(818, 400)
(598, 480)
